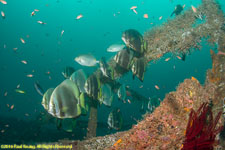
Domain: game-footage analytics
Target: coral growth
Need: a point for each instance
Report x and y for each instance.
(201, 129)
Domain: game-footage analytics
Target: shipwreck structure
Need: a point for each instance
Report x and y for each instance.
(169, 121)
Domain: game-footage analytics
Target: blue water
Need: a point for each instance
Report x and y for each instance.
(45, 50)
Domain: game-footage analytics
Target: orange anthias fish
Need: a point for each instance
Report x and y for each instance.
(178, 57)
(22, 40)
(117, 142)
(160, 17)
(79, 16)
(193, 78)
(30, 75)
(3, 14)
(194, 9)
(24, 62)
(3, 2)
(167, 59)
(157, 87)
(33, 13)
(133, 7)
(146, 16)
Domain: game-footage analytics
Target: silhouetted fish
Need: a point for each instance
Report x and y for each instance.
(38, 88)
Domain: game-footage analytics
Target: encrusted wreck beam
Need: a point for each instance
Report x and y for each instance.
(165, 127)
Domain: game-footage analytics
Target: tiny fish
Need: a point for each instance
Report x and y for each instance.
(2, 131)
(38, 88)
(4, 46)
(79, 16)
(6, 125)
(146, 16)
(7, 105)
(62, 32)
(3, 2)
(183, 5)
(20, 91)
(133, 7)
(129, 101)
(160, 17)
(27, 114)
(40, 22)
(167, 59)
(157, 87)
(193, 78)
(36, 10)
(24, 62)
(32, 13)
(117, 142)
(18, 86)
(3, 14)
(194, 9)
(12, 107)
(22, 40)
(6, 93)
(134, 10)
(178, 57)
(141, 86)
(30, 75)
(15, 48)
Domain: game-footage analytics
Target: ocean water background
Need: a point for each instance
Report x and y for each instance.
(102, 25)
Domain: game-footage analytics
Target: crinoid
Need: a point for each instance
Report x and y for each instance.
(201, 129)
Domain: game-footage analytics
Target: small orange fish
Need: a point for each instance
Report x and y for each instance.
(117, 142)
(24, 62)
(33, 13)
(133, 7)
(183, 6)
(36, 10)
(129, 101)
(79, 16)
(30, 75)
(3, 2)
(157, 87)
(194, 9)
(15, 48)
(193, 78)
(22, 40)
(159, 55)
(178, 57)
(12, 107)
(6, 93)
(160, 17)
(3, 14)
(146, 16)
(167, 59)
(48, 72)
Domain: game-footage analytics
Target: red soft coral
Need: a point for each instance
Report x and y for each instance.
(201, 129)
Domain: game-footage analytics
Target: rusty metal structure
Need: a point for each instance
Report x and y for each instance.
(168, 122)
